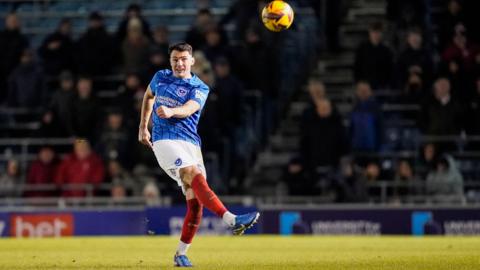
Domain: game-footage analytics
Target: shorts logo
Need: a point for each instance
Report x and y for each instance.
(181, 91)
(178, 162)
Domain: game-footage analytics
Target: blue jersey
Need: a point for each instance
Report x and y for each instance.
(171, 91)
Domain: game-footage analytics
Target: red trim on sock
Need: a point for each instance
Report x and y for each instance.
(192, 220)
(206, 196)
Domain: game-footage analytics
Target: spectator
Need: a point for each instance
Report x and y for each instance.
(351, 186)
(85, 109)
(442, 115)
(414, 59)
(151, 194)
(57, 49)
(445, 179)
(245, 13)
(11, 180)
(372, 174)
(229, 91)
(82, 167)
(255, 67)
(61, 106)
(414, 89)
(323, 139)
(366, 129)
(127, 93)
(26, 84)
(374, 60)
(136, 48)
(458, 77)
(462, 50)
(453, 19)
(42, 172)
(214, 48)
(160, 39)
(134, 11)
(113, 142)
(119, 176)
(297, 179)
(427, 159)
(203, 68)
(95, 50)
(405, 181)
(203, 21)
(12, 45)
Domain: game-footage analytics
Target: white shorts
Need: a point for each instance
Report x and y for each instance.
(172, 155)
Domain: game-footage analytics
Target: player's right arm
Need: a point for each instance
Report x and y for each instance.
(147, 107)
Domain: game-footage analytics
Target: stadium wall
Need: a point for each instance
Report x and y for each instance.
(352, 220)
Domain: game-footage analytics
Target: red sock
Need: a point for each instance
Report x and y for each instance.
(206, 196)
(192, 220)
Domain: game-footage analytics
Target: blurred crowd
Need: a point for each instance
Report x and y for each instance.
(421, 60)
(66, 78)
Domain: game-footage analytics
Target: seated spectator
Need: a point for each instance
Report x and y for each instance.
(151, 194)
(372, 173)
(351, 186)
(297, 179)
(160, 39)
(414, 89)
(42, 172)
(95, 50)
(136, 48)
(133, 11)
(82, 167)
(374, 60)
(114, 142)
(414, 59)
(462, 50)
(405, 182)
(11, 180)
(316, 89)
(85, 109)
(57, 49)
(61, 105)
(119, 177)
(366, 128)
(12, 45)
(118, 193)
(26, 84)
(427, 160)
(442, 114)
(445, 179)
(323, 139)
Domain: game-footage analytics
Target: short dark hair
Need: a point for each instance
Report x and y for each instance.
(181, 47)
(376, 27)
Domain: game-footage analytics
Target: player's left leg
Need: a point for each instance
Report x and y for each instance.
(193, 177)
(190, 227)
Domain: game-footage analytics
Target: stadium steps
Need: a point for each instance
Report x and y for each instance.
(336, 72)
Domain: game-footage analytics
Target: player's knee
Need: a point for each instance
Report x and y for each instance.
(188, 173)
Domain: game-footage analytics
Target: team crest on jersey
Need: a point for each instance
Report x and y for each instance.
(181, 91)
(178, 162)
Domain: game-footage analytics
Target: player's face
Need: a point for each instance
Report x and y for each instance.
(181, 63)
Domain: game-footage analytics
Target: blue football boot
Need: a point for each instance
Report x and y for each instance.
(181, 261)
(244, 222)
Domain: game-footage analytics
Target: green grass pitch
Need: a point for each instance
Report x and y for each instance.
(245, 252)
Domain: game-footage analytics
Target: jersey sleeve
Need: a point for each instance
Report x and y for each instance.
(200, 94)
(158, 77)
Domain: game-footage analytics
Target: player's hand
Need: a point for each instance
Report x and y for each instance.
(144, 137)
(164, 112)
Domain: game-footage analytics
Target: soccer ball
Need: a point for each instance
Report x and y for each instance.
(277, 16)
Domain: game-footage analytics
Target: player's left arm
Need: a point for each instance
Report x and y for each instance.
(184, 111)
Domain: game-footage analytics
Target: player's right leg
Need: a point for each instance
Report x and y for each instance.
(191, 223)
(192, 176)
